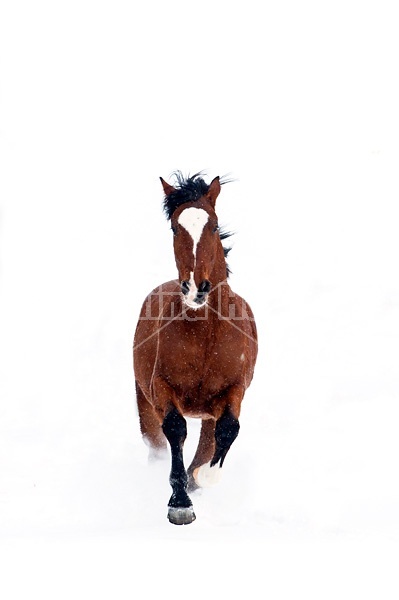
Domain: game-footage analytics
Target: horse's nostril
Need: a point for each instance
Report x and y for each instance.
(185, 287)
(204, 287)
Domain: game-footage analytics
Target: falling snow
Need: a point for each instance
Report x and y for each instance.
(298, 103)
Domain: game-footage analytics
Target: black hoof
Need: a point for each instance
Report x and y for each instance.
(181, 516)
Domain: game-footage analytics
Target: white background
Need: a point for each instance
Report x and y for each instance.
(298, 101)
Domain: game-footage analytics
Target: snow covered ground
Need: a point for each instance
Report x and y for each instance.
(298, 101)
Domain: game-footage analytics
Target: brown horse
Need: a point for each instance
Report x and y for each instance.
(195, 347)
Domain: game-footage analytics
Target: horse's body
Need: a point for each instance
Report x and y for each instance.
(195, 348)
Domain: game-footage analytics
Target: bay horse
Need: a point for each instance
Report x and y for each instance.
(195, 347)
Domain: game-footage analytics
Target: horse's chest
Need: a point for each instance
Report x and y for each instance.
(184, 356)
(205, 362)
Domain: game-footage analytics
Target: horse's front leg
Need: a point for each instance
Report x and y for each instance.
(226, 431)
(174, 427)
(180, 511)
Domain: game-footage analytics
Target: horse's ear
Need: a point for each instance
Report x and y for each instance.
(168, 189)
(214, 190)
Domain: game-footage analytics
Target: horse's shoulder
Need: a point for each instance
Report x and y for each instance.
(243, 304)
(168, 287)
(162, 295)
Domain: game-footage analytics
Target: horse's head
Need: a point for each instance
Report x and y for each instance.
(200, 257)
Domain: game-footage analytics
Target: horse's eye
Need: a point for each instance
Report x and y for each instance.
(174, 229)
(216, 228)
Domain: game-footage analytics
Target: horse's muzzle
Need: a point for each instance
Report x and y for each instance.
(203, 290)
(195, 297)
(185, 287)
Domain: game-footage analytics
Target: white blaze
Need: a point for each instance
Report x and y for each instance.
(193, 220)
(193, 290)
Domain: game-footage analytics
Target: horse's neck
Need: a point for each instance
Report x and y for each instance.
(221, 293)
(221, 298)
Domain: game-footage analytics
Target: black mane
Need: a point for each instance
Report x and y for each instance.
(191, 189)
(186, 190)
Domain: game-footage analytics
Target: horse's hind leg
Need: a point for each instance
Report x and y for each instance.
(204, 453)
(151, 429)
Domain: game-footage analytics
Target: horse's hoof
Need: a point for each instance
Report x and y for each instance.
(181, 516)
(192, 484)
(207, 476)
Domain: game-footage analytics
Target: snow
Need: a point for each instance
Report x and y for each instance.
(298, 101)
